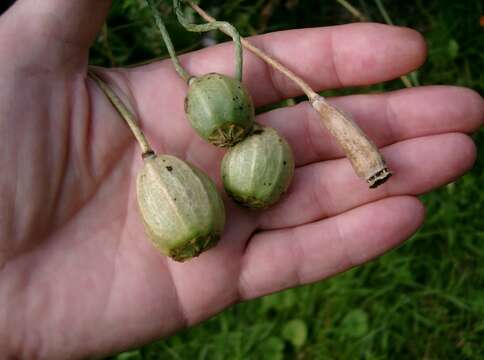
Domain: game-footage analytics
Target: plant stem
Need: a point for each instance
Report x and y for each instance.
(352, 10)
(362, 153)
(274, 63)
(364, 156)
(223, 26)
(127, 115)
(405, 79)
(168, 43)
(383, 12)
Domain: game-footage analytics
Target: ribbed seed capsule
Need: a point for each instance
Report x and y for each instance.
(219, 109)
(258, 170)
(180, 207)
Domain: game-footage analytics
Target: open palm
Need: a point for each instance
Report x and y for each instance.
(78, 276)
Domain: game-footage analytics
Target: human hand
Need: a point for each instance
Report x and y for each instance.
(78, 276)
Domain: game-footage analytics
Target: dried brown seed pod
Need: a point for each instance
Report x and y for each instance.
(362, 153)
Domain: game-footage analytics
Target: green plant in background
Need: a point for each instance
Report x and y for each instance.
(423, 300)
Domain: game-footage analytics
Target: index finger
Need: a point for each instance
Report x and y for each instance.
(329, 57)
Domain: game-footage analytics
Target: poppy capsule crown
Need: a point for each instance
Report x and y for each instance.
(219, 109)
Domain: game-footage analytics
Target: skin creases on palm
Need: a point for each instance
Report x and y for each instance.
(72, 224)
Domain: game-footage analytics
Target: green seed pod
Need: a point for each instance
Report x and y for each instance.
(180, 206)
(258, 170)
(220, 109)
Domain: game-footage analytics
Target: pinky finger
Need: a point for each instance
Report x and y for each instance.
(279, 259)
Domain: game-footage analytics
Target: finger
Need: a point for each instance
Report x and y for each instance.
(280, 259)
(355, 54)
(329, 188)
(385, 118)
(53, 30)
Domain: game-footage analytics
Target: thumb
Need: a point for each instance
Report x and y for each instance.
(55, 30)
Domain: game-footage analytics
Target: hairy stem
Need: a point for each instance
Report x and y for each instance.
(168, 43)
(364, 156)
(223, 26)
(125, 114)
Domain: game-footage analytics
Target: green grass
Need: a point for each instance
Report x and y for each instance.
(424, 300)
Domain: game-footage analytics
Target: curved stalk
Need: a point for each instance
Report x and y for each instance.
(223, 26)
(310, 93)
(168, 43)
(364, 156)
(127, 115)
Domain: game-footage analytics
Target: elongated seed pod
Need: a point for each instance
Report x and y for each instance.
(258, 170)
(362, 153)
(180, 207)
(220, 109)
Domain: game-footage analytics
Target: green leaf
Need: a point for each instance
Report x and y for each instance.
(355, 323)
(467, 350)
(453, 48)
(280, 302)
(272, 348)
(296, 332)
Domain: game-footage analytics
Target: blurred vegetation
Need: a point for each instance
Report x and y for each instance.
(424, 300)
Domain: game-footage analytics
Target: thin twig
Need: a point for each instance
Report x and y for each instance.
(274, 63)
(352, 10)
(383, 12)
(168, 43)
(223, 26)
(125, 114)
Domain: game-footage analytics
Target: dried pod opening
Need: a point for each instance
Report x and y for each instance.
(228, 135)
(379, 178)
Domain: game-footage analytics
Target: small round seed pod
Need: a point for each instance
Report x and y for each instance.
(258, 170)
(180, 207)
(220, 109)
